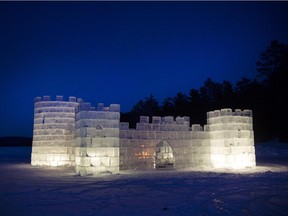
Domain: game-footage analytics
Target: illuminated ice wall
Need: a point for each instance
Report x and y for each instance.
(93, 140)
(54, 131)
(232, 138)
(163, 143)
(97, 139)
(227, 141)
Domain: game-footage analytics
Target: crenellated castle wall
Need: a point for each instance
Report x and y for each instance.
(141, 148)
(93, 139)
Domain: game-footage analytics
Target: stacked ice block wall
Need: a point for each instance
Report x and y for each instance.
(138, 147)
(232, 138)
(93, 140)
(97, 139)
(54, 131)
(200, 147)
(227, 141)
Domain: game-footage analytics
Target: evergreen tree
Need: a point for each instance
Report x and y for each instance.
(228, 95)
(181, 105)
(272, 69)
(147, 107)
(168, 107)
(196, 107)
(266, 96)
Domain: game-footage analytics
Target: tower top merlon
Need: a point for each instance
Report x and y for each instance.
(37, 99)
(247, 112)
(46, 98)
(84, 106)
(114, 108)
(80, 100)
(229, 112)
(144, 119)
(58, 98)
(100, 106)
(72, 99)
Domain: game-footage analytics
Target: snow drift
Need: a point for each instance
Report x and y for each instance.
(26, 190)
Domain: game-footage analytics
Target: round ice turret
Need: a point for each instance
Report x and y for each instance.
(54, 131)
(232, 138)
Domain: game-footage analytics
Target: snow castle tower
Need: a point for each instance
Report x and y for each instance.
(97, 139)
(54, 131)
(231, 138)
(74, 133)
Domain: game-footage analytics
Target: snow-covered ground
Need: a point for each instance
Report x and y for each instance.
(26, 190)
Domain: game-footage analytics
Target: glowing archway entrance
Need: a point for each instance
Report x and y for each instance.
(164, 156)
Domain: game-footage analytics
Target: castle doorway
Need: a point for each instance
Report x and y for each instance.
(164, 156)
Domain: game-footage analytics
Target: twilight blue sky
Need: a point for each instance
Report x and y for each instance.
(120, 52)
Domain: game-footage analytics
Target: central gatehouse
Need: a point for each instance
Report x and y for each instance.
(74, 133)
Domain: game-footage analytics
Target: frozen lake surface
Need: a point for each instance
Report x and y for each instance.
(26, 190)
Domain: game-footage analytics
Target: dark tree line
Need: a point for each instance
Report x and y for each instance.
(266, 95)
